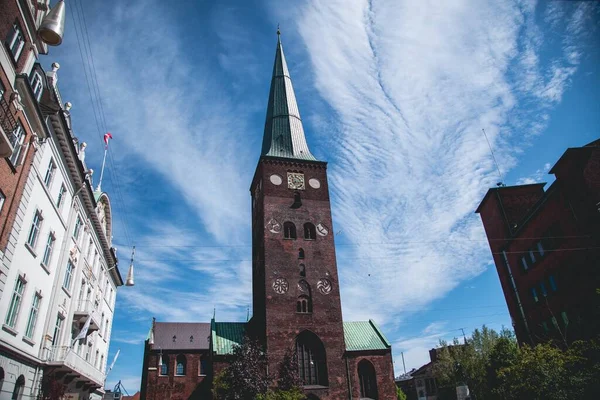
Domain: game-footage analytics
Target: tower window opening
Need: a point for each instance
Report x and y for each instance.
(310, 232)
(304, 304)
(302, 270)
(289, 230)
(312, 364)
(301, 253)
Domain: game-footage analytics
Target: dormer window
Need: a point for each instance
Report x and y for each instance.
(36, 85)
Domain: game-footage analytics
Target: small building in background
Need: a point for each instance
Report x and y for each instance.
(546, 247)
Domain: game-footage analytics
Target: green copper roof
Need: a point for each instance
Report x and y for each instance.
(225, 335)
(364, 335)
(359, 336)
(284, 134)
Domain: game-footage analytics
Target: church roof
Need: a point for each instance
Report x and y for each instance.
(226, 335)
(181, 335)
(359, 336)
(284, 133)
(364, 335)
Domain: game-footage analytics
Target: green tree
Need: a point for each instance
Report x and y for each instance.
(400, 394)
(245, 378)
(540, 373)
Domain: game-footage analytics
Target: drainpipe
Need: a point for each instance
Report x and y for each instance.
(348, 379)
(514, 286)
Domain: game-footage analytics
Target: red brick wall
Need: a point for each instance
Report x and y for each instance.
(190, 386)
(384, 371)
(10, 12)
(280, 322)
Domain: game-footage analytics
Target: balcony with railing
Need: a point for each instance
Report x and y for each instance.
(8, 123)
(70, 365)
(85, 309)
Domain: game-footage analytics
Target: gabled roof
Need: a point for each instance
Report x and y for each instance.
(226, 335)
(181, 335)
(284, 133)
(364, 335)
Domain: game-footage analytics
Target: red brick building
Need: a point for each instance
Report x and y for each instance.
(546, 246)
(296, 296)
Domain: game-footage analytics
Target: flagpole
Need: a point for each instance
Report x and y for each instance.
(102, 170)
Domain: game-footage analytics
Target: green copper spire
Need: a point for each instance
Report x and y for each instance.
(284, 134)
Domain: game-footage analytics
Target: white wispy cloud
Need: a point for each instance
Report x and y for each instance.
(412, 87)
(539, 175)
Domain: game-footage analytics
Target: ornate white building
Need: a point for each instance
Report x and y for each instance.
(60, 268)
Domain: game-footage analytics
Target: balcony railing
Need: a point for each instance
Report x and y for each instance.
(8, 123)
(66, 356)
(84, 309)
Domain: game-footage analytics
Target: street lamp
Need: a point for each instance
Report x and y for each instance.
(52, 29)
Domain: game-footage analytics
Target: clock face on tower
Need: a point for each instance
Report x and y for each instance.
(295, 181)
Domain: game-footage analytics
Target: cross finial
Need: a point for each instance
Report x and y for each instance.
(278, 30)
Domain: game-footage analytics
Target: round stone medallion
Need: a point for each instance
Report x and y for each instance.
(276, 179)
(324, 286)
(280, 285)
(314, 183)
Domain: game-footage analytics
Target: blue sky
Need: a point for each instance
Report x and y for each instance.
(393, 94)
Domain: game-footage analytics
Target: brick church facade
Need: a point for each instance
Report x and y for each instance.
(295, 283)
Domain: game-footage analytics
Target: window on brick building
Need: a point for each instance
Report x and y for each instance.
(202, 367)
(367, 380)
(524, 263)
(552, 283)
(181, 364)
(301, 253)
(304, 304)
(164, 367)
(15, 41)
(534, 294)
(289, 230)
(2, 199)
(310, 232)
(302, 270)
(312, 365)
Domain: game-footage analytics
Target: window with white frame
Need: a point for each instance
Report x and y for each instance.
(77, 229)
(49, 248)
(57, 330)
(106, 330)
(102, 324)
(33, 315)
(15, 303)
(2, 199)
(16, 138)
(15, 41)
(50, 173)
(36, 85)
(61, 196)
(101, 367)
(34, 231)
(68, 275)
(89, 252)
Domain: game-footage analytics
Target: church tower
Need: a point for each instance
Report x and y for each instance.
(296, 297)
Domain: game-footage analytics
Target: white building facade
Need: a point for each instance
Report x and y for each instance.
(61, 269)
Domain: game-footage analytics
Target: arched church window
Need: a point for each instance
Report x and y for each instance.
(17, 393)
(310, 232)
(289, 230)
(367, 380)
(302, 270)
(301, 253)
(181, 363)
(304, 304)
(312, 366)
(164, 367)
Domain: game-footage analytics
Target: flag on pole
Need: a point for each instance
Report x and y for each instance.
(114, 361)
(84, 330)
(107, 136)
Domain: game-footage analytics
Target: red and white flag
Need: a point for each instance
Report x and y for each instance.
(107, 136)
